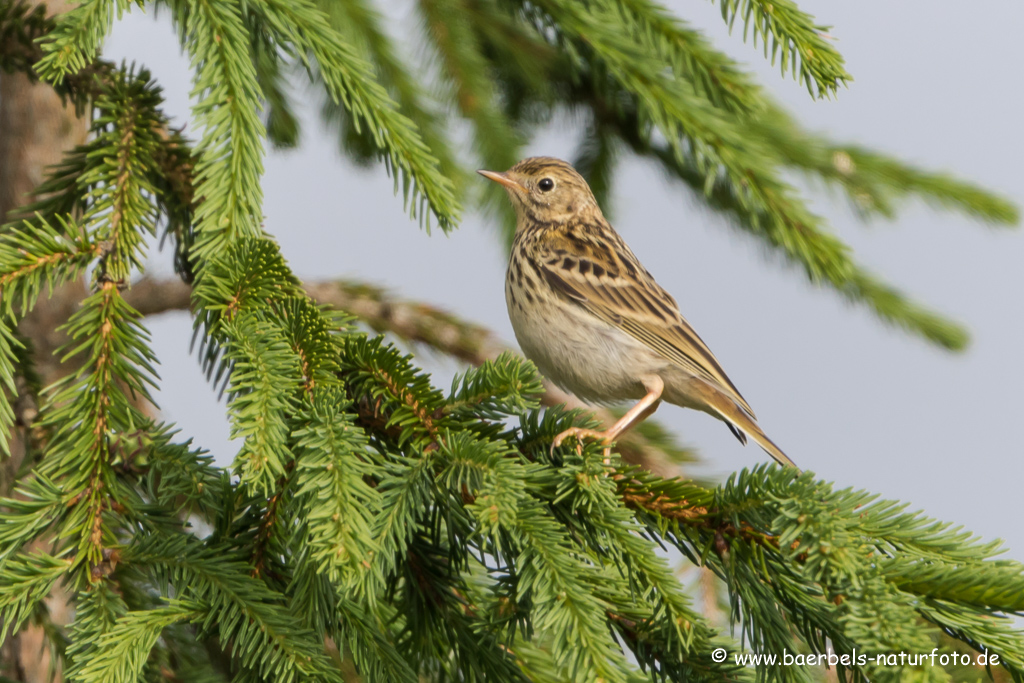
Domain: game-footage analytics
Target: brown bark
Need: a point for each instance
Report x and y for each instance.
(36, 127)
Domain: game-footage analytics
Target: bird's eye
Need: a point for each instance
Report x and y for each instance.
(546, 184)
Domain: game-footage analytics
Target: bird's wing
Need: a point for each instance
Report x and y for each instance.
(612, 285)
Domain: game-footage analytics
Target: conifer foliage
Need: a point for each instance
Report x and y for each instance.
(372, 523)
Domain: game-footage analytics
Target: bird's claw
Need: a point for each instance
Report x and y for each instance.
(581, 433)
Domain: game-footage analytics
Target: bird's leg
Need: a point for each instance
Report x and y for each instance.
(638, 413)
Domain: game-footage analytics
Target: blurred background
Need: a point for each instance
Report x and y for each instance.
(858, 403)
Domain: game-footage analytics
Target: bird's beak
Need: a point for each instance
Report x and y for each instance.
(504, 179)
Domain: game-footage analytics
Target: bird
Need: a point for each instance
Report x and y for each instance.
(593, 319)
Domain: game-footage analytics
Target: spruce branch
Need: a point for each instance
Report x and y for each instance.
(22, 26)
(36, 254)
(466, 68)
(834, 564)
(443, 628)
(714, 75)
(76, 38)
(124, 649)
(120, 210)
(549, 573)
(874, 183)
(97, 612)
(174, 476)
(981, 630)
(363, 26)
(133, 167)
(261, 396)
(801, 46)
(87, 412)
(406, 495)
(230, 153)
(33, 255)
(997, 582)
(236, 607)
(761, 142)
(249, 277)
(27, 580)
(349, 80)
(585, 492)
(895, 308)
(39, 503)
(281, 122)
(506, 385)
(850, 279)
(9, 347)
(340, 507)
(311, 332)
(272, 521)
(373, 649)
(713, 142)
(512, 525)
(522, 63)
(106, 182)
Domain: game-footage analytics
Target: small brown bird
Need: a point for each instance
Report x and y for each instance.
(594, 320)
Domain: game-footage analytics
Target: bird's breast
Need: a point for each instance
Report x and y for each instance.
(573, 348)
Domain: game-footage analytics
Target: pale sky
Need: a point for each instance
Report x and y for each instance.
(858, 403)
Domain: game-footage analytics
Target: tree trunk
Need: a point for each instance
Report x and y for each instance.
(35, 129)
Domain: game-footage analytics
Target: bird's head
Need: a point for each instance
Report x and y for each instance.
(545, 189)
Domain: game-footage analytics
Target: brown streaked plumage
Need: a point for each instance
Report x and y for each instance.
(592, 318)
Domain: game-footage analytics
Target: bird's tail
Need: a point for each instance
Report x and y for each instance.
(741, 424)
(751, 429)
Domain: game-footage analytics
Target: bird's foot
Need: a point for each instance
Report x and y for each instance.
(580, 433)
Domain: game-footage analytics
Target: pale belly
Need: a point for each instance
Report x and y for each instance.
(580, 353)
